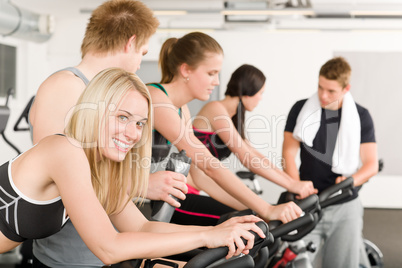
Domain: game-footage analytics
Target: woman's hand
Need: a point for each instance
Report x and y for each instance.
(165, 184)
(231, 232)
(284, 212)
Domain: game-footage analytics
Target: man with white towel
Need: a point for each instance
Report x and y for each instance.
(335, 138)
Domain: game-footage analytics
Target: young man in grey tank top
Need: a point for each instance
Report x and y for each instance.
(60, 92)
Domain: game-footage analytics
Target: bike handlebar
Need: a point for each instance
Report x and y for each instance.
(212, 255)
(329, 196)
(303, 225)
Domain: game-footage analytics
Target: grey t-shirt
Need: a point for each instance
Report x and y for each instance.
(65, 249)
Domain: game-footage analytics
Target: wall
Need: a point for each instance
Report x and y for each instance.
(35, 62)
(290, 60)
(32, 68)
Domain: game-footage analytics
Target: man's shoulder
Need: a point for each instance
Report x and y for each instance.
(300, 102)
(61, 84)
(296, 108)
(363, 112)
(293, 114)
(360, 108)
(66, 75)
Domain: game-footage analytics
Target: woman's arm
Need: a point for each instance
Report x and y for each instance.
(69, 169)
(251, 158)
(302, 188)
(180, 133)
(239, 225)
(208, 185)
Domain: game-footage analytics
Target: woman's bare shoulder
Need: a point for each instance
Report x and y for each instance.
(214, 108)
(157, 94)
(60, 148)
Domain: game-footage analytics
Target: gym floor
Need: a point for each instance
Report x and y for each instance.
(381, 226)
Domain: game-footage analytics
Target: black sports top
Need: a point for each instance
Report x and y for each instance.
(214, 144)
(318, 169)
(160, 145)
(23, 218)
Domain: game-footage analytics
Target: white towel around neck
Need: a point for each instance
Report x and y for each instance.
(345, 159)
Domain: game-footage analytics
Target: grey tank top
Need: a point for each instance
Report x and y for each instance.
(66, 248)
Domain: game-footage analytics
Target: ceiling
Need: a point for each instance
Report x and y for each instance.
(269, 14)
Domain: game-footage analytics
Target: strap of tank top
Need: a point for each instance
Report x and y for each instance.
(77, 73)
(164, 90)
(159, 86)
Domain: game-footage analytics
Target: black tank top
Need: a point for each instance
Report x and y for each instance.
(214, 144)
(23, 218)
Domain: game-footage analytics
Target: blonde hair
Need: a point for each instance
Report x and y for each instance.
(111, 180)
(190, 49)
(113, 23)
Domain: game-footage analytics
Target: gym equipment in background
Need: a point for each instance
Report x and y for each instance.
(4, 116)
(24, 115)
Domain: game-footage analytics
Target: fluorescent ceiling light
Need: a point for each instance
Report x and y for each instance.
(283, 12)
(374, 13)
(186, 30)
(170, 12)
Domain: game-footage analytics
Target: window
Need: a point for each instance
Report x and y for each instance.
(8, 68)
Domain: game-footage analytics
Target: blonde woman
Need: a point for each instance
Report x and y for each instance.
(91, 174)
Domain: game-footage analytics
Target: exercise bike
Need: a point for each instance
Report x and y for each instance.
(290, 254)
(300, 226)
(292, 231)
(260, 254)
(211, 258)
(287, 255)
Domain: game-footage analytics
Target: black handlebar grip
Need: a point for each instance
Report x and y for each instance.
(213, 255)
(285, 229)
(309, 203)
(327, 197)
(303, 230)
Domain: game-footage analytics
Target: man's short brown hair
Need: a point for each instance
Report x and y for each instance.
(113, 23)
(337, 69)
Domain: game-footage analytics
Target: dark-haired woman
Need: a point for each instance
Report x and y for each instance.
(220, 126)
